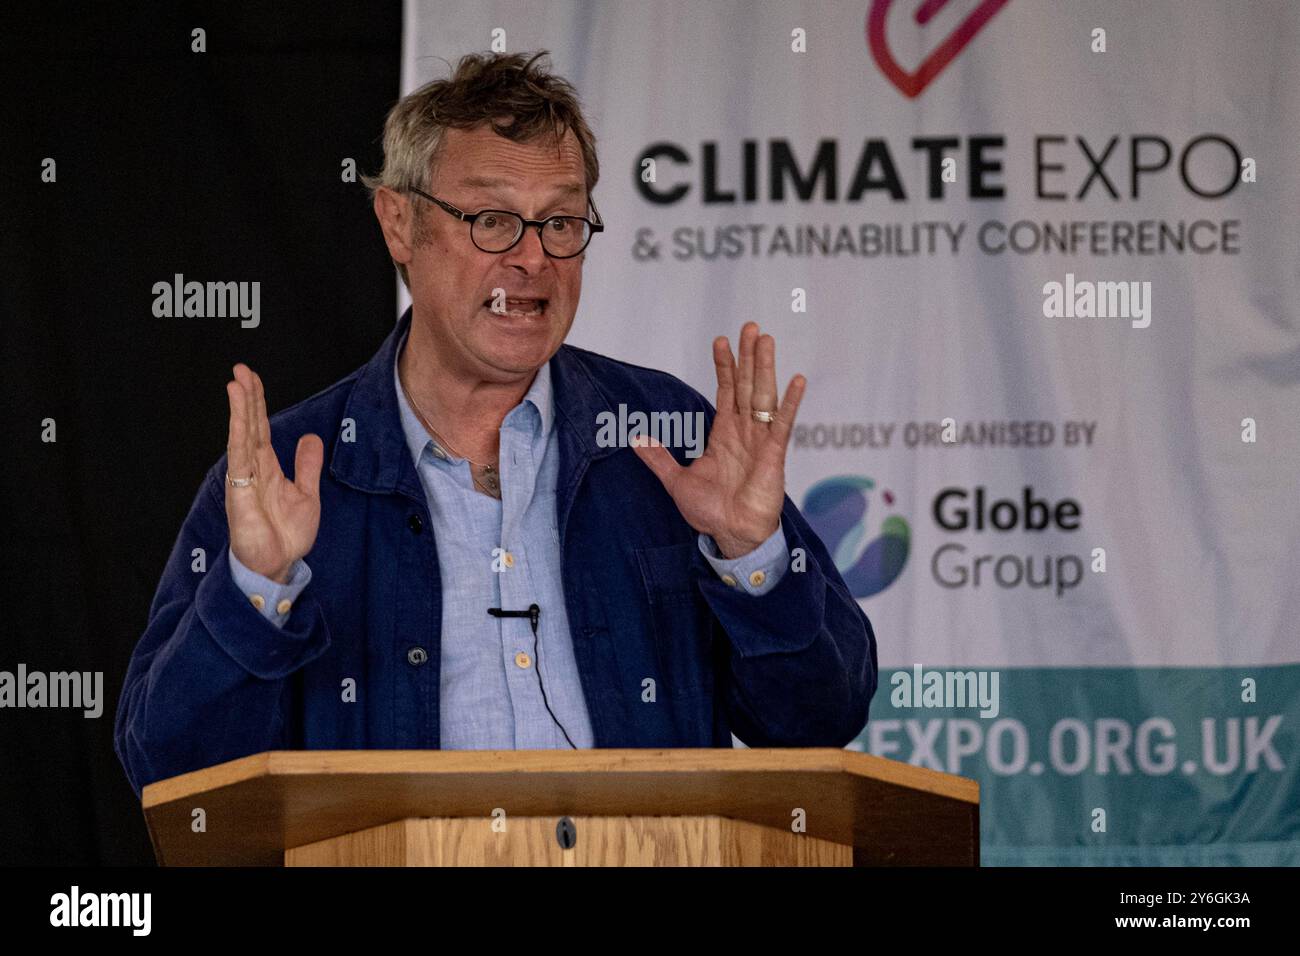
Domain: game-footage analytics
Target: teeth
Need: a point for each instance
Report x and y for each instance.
(522, 306)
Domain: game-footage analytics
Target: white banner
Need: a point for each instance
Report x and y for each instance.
(1039, 264)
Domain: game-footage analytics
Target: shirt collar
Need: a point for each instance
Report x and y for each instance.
(539, 395)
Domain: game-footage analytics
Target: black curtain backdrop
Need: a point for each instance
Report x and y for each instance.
(223, 166)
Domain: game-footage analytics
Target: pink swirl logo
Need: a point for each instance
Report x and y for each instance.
(911, 84)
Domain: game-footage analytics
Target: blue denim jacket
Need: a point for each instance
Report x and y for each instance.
(669, 655)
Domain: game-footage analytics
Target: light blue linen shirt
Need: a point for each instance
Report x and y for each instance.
(497, 680)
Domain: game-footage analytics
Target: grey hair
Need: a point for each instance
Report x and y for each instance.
(520, 100)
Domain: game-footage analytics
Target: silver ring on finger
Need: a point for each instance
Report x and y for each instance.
(765, 418)
(240, 482)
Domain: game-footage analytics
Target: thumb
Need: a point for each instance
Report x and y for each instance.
(307, 463)
(658, 459)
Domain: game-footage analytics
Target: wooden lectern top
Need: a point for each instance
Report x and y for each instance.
(257, 807)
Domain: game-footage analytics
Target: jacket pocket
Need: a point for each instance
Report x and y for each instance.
(681, 622)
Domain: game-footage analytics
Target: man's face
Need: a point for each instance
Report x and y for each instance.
(453, 282)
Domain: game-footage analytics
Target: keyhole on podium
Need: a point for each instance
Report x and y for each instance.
(566, 834)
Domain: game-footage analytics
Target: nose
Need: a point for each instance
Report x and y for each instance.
(528, 255)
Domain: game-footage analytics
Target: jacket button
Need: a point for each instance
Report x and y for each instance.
(417, 656)
(415, 523)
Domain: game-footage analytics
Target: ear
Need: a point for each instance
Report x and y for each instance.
(396, 218)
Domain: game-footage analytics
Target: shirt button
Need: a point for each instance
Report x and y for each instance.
(439, 453)
(259, 602)
(728, 580)
(757, 578)
(508, 560)
(522, 659)
(417, 656)
(415, 523)
(283, 606)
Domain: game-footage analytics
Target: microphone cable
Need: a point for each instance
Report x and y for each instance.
(534, 614)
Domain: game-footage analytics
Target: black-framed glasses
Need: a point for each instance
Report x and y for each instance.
(499, 230)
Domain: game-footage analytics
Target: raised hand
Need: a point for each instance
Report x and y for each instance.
(734, 491)
(273, 521)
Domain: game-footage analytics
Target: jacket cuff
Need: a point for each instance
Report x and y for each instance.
(755, 573)
(272, 599)
(786, 618)
(252, 641)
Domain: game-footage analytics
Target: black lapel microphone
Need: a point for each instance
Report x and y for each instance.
(534, 614)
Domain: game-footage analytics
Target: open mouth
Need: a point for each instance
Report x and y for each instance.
(519, 308)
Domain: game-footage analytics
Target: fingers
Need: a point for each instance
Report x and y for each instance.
(725, 364)
(658, 460)
(259, 412)
(764, 394)
(745, 370)
(239, 458)
(780, 430)
(772, 452)
(249, 446)
(307, 464)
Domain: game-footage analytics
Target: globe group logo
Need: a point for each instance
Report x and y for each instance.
(869, 557)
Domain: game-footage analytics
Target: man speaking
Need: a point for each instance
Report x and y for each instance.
(462, 558)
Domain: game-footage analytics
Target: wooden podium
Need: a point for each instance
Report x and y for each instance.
(690, 807)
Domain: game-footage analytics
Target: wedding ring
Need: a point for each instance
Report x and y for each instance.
(765, 417)
(239, 482)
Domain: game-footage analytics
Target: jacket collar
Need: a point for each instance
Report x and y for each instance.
(378, 461)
